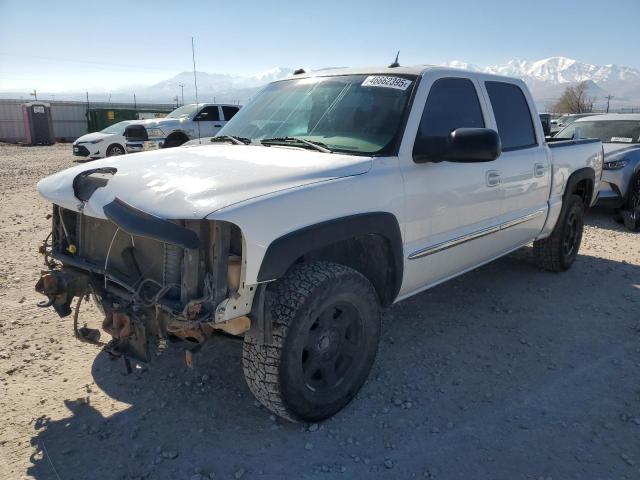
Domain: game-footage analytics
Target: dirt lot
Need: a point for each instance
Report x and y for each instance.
(505, 373)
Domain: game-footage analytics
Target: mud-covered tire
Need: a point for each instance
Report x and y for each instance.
(115, 150)
(326, 328)
(557, 252)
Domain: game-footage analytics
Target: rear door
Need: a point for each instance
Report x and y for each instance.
(524, 165)
(210, 120)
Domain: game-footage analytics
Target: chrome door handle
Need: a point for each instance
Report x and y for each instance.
(539, 169)
(493, 178)
(217, 126)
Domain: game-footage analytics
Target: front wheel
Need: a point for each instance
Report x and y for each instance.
(326, 329)
(557, 252)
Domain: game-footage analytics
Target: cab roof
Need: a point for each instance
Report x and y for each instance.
(417, 70)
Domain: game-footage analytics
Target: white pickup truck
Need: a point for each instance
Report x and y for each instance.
(178, 127)
(329, 196)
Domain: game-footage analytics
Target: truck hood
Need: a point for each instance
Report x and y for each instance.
(162, 122)
(615, 149)
(192, 182)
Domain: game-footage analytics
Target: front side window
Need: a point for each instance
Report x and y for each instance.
(608, 131)
(360, 114)
(512, 114)
(452, 103)
(208, 114)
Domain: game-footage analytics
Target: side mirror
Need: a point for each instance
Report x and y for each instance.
(462, 145)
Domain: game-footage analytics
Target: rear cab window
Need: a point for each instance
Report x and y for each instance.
(512, 114)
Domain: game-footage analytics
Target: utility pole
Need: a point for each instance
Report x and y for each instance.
(609, 97)
(34, 94)
(135, 103)
(181, 85)
(87, 99)
(176, 99)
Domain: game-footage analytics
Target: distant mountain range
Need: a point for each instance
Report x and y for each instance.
(547, 79)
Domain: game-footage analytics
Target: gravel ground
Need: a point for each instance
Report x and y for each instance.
(505, 373)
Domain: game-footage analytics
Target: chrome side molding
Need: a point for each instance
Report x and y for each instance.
(454, 242)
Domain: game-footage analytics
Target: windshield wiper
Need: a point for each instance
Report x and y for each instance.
(232, 138)
(321, 147)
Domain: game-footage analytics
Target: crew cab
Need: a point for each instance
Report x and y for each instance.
(185, 123)
(331, 195)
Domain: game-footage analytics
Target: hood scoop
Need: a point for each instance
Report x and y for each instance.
(87, 182)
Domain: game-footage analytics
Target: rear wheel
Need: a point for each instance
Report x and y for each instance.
(326, 328)
(557, 252)
(115, 149)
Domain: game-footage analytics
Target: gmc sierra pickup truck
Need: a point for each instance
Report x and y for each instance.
(178, 127)
(329, 196)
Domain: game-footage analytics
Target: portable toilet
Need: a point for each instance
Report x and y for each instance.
(38, 127)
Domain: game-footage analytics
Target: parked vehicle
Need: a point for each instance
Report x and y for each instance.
(566, 120)
(547, 122)
(109, 142)
(183, 124)
(620, 135)
(330, 195)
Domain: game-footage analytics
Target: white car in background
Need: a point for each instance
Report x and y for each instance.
(105, 143)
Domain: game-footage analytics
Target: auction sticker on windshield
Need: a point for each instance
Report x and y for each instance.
(622, 139)
(387, 82)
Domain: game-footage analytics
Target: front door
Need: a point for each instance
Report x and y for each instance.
(452, 209)
(210, 121)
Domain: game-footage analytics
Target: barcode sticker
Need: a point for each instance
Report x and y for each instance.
(387, 82)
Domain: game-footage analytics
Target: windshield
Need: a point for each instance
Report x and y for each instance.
(183, 112)
(116, 128)
(608, 131)
(349, 113)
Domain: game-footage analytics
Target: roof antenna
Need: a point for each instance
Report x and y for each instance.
(395, 63)
(195, 83)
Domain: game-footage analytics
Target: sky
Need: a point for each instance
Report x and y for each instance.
(84, 45)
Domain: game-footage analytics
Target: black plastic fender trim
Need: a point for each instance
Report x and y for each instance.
(284, 251)
(585, 173)
(143, 224)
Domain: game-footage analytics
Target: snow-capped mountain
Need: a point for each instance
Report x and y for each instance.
(224, 87)
(547, 78)
(556, 70)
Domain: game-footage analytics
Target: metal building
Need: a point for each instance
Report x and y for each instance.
(69, 119)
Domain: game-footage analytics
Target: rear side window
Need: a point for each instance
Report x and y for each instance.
(512, 114)
(229, 112)
(452, 103)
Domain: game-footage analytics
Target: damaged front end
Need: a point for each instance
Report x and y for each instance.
(151, 277)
